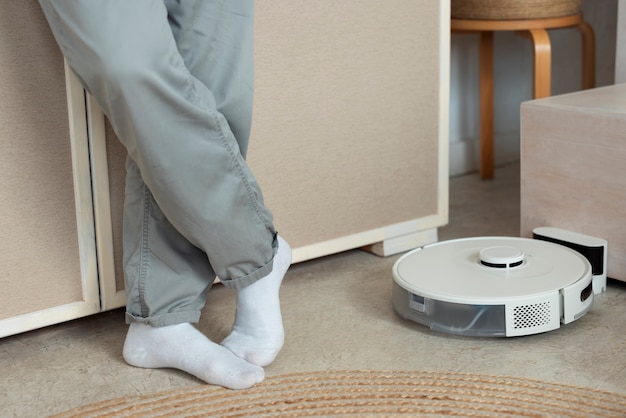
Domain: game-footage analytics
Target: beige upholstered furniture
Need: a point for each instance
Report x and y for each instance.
(528, 18)
(350, 145)
(572, 167)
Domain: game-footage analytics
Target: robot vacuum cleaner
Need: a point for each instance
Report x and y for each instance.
(492, 286)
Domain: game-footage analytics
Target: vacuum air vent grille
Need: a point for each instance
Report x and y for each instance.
(531, 316)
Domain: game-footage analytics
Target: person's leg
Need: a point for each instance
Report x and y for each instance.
(215, 40)
(166, 277)
(258, 333)
(104, 44)
(126, 56)
(153, 249)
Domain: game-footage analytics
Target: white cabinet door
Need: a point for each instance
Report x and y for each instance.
(349, 142)
(350, 130)
(48, 270)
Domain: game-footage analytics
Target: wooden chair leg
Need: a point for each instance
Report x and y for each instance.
(486, 105)
(542, 61)
(589, 55)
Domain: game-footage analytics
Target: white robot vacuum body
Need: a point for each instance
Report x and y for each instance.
(492, 286)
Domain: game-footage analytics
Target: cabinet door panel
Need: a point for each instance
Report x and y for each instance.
(47, 253)
(350, 128)
(349, 138)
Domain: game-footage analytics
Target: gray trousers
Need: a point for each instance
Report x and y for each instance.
(175, 79)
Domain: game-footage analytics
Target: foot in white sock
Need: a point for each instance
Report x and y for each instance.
(258, 333)
(185, 348)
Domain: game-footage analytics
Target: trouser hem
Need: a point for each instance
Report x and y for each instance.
(241, 282)
(258, 274)
(164, 320)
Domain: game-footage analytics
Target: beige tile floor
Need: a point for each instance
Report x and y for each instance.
(337, 315)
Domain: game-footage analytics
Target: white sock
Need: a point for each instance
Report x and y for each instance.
(258, 333)
(185, 348)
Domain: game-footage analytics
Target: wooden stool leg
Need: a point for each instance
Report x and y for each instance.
(486, 105)
(542, 61)
(589, 55)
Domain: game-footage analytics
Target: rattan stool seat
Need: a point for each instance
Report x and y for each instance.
(513, 9)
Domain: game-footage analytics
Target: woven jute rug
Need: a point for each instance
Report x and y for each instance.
(371, 393)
